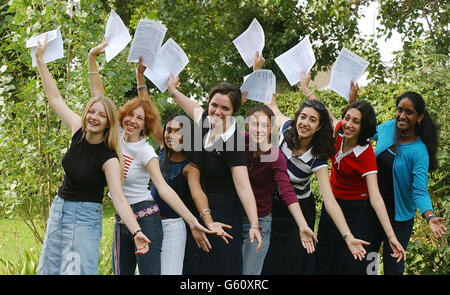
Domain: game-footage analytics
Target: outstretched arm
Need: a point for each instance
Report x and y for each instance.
(356, 246)
(245, 193)
(173, 200)
(201, 202)
(111, 168)
(70, 119)
(192, 109)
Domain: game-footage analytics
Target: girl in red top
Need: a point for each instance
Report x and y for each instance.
(354, 184)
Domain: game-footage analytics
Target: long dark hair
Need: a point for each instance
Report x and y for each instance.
(188, 131)
(368, 120)
(322, 142)
(427, 129)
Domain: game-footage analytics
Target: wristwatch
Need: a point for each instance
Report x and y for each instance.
(140, 87)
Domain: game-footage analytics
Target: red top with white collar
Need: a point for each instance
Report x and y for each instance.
(349, 169)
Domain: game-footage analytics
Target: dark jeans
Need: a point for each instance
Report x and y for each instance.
(286, 255)
(333, 256)
(403, 231)
(222, 259)
(124, 260)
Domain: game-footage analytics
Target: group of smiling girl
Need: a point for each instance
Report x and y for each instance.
(255, 204)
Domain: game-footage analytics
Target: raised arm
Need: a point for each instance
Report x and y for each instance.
(95, 80)
(356, 246)
(192, 109)
(70, 119)
(143, 93)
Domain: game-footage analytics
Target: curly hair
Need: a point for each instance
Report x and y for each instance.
(322, 142)
(427, 129)
(151, 113)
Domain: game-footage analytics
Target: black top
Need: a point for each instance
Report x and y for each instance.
(84, 179)
(214, 163)
(385, 160)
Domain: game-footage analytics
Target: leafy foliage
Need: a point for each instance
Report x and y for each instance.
(33, 140)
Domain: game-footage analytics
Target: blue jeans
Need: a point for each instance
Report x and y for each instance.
(252, 261)
(124, 260)
(72, 238)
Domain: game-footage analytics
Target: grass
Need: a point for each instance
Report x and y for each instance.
(20, 250)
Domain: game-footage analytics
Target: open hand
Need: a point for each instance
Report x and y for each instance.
(218, 229)
(141, 242)
(308, 238)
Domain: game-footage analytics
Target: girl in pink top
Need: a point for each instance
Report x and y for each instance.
(267, 170)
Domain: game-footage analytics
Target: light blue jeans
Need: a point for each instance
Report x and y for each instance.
(253, 262)
(174, 243)
(72, 239)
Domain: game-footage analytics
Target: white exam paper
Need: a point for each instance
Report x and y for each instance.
(116, 35)
(298, 58)
(260, 85)
(54, 50)
(250, 42)
(147, 42)
(348, 67)
(170, 59)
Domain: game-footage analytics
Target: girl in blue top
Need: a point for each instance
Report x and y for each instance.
(405, 152)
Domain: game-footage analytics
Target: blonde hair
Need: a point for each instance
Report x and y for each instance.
(111, 132)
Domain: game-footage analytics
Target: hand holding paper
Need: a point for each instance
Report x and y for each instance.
(54, 46)
(147, 42)
(250, 42)
(116, 36)
(298, 58)
(348, 67)
(171, 59)
(260, 86)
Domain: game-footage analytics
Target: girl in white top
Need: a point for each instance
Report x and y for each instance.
(138, 119)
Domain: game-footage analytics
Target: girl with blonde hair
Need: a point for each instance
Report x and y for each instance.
(74, 228)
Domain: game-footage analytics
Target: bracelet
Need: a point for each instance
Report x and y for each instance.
(93, 73)
(175, 92)
(429, 217)
(140, 87)
(206, 211)
(136, 232)
(346, 235)
(254, 227)
(309, 95)
(391, 236)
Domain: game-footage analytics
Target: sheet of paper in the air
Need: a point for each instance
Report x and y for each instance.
(147, 42)
(116, 35)
(298, 58)
(170, 59)
(54, 50)
(260, 85)
(250, 42)
(348, 67)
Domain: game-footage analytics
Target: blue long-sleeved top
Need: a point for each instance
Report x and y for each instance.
(409, 170)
